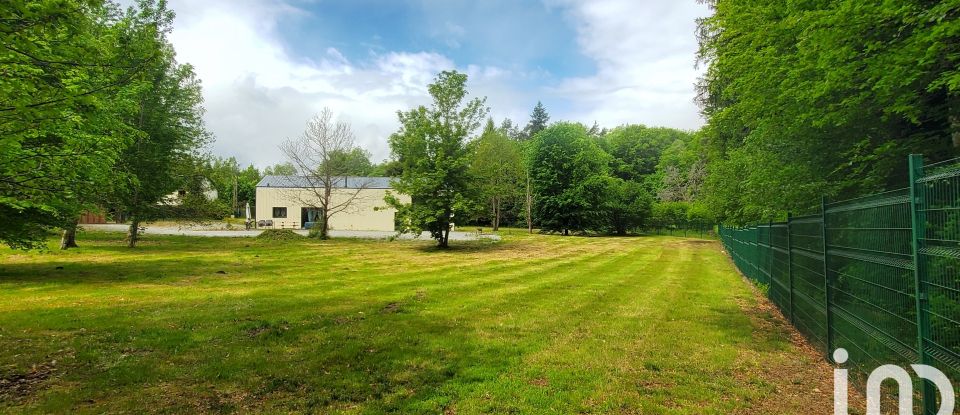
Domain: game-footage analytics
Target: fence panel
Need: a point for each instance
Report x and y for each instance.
(878, 275)
(937, 193)
(871, 275)
(809, 295)
(779, 269)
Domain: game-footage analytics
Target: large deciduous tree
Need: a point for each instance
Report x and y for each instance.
(163, 157)
(68, 69)
(636, 149)
(566, 170)
(432, 148)
(324, 155)
(824, 97)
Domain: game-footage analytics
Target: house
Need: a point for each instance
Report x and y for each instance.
(176, 198)
(291, 202)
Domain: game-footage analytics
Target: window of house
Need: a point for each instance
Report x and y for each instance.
(279, 212)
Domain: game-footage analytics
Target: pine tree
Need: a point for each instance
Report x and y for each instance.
(538, 120)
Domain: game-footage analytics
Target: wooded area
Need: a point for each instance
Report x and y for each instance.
(823, 97)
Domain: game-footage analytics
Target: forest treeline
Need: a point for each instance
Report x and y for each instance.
(812, 98)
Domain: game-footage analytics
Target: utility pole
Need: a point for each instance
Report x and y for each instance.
(529, 206)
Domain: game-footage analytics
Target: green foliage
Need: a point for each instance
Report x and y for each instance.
(567, 169)
(169, 114)
(498, 168)
(388, 168)
(636, 149)
(225, 174)
(626, 205)
(670, 213)
(68, 75)
(811, 98)
(355, 162)
(681, 171)
(432, 148)
(679, 213)
(538, 121)
(280, 169)
(279, 235)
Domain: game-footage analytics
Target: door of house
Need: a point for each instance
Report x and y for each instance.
(310, 215)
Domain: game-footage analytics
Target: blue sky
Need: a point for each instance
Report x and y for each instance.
(494, 33)
(268, 65)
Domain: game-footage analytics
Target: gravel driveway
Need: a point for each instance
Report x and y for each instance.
(171, 230)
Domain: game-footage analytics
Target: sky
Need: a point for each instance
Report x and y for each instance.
(267, 66)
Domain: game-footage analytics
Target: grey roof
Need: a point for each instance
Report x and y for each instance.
(341, 182)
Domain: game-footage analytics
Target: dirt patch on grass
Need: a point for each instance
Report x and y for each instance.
(267, 328)
(19, 386)
(797, 379)
(392, 308)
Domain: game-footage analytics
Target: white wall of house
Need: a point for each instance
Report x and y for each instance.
(368, 212)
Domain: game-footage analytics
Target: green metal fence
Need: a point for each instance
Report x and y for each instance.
(878, 275)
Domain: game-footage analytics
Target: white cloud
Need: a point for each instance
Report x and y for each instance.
(644, 52)
(259, 93)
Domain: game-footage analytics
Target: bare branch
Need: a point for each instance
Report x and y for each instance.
(313, 154)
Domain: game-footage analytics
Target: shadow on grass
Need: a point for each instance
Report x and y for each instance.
(288, 353)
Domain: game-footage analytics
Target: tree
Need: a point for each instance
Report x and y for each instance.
(811, 98)
(498, 167)
(636, 149)
(508, 128)
(280, 169)
(627, 205)
(69, 67)
(566, 169)
(168, 113)
(323, 157)
(538, 121)
(681, 171)
(235, 186)
(353, 162)
(431, 145)
(388, 168)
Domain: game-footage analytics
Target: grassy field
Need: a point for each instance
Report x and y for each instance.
(533, 324)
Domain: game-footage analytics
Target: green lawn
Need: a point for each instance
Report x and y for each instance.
(533, 324)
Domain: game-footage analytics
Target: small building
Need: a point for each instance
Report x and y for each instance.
(291, 202)
(176, 198)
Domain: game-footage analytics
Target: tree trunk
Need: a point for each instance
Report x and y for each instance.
(529, 206)
(566, 232)
(496, 214)
(133, 233)
(444, 240)
(324, 227)
(493, 213)
(69, 238)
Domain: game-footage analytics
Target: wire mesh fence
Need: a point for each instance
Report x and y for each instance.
(878, 275)
(688, 228)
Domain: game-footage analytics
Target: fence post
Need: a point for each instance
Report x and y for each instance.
(756, 252)
(918, 222)
(790, 271)
(769, 256)
(826, 277)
